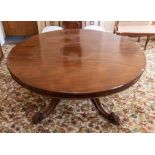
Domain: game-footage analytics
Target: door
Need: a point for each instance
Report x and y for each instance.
(20, 28)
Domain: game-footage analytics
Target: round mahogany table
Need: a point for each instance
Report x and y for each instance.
(76, 64)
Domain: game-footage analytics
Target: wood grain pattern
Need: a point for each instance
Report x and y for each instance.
(20, 28)
(72, 24)
(76, 63)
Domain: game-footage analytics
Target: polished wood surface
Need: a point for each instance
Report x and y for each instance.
(72, 24)
(20, 28)
(76, 63)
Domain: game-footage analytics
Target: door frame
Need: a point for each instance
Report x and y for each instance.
(2, 34)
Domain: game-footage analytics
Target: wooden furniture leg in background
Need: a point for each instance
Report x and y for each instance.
(39, 116)
(138, 39)
(147, 40)
(112, 117)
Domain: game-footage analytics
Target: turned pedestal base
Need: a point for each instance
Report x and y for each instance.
(112, 117)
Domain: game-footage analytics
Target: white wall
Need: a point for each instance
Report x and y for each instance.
(109, 25)
(2, 34)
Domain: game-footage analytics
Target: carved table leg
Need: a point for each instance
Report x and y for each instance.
(112, 117)
(39, 116)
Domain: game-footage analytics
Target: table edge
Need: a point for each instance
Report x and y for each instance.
(79, 95)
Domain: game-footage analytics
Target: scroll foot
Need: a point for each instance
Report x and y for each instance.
(39, 116)
(112, 117)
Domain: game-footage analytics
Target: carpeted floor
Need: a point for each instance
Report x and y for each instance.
(135, 106)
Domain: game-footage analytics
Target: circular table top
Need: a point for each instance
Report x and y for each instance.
(76, 63)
